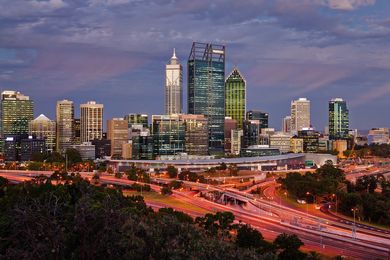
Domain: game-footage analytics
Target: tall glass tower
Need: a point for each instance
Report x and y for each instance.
(206, 89)
(173, 86)
(235, 97)
(338, 119)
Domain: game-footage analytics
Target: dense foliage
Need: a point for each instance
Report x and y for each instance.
(328, 183)
(76, 220)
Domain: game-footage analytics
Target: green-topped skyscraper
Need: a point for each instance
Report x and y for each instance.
(235, 97)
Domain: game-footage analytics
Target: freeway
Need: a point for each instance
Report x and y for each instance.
(319, 240)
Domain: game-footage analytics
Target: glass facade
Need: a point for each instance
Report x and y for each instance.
(65, 125)
(168, 135)
(142, 148)
(310, 140)
(206, 90)
(235, 97)
(338, 119)
(17, 110)
(251, 133)
(258, 115)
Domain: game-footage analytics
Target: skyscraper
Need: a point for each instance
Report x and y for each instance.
(206, 89)
(118, 134)
(17, 110)
(196, 134)
(64, 118)
(235, 97)
(338, 119)
(173, 86)
(263, 117)
(44, 128)
(300, 115)
(91, 121)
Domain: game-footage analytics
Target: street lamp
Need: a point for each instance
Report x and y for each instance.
(335, 196)
(354, 222)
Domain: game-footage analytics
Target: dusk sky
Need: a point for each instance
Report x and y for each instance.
(114, 52)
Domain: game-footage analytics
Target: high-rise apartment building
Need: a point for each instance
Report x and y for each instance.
(64, 119)
(338, 119)
(300, 114)
(91, 121)
(118, 134)
(206, 89)
(17, 110)
(173, 86)
(235, 97)
(261, 116)
(44, 128)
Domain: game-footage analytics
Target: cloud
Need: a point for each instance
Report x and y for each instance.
(371, 95)
(346, 5)
(51, 4)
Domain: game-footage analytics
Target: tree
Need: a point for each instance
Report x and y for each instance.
(73, 156)
(176, 184)
(249, 237)
(96, 178)
(222, 166)
(118, 175)
(166, 191)
(288, 246)
(38, 157)
(172, 171)
(55, 157)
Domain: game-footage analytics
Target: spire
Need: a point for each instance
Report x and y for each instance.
(174, 60)
(174, 54)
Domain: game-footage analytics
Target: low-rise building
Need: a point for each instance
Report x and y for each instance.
(86, 150)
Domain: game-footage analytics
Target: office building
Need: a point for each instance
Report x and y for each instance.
(17, 110)
(286, 124)
(86, 150)
(137, 119)
(76, 131)
(259, 150)
(230, 124)
(102, 148)
(91, 121)
(296, 145)
(168, 135)
(196, 134)
(235, 97)
(236, 141)
(251, 133)
(206, 89)
(143, 147)
(44, 128)
(378, 136)
(338, 119)
(310, 140)
(65, 127)
(280, 141)
(300, 115)
(22, 147)
(262, 116)
(173, 86)
(118, 134)
(127, 150)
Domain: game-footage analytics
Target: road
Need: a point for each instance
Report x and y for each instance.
(270, 226)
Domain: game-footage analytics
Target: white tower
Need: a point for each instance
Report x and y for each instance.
(300, 115)
(173, 86)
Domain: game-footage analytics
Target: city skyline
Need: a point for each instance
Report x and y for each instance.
(340, 53)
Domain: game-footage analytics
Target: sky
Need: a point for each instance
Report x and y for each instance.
(115, 51)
